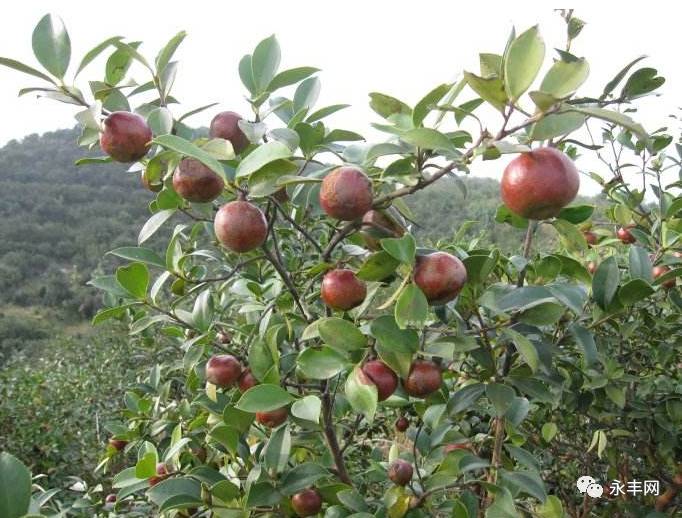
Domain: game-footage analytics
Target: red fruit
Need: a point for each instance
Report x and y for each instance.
(625, 236)
(592, 267)
(223, 370)
(440, 276)
(161, 473)
(247, 380)
(273, 418)
(380, 224)
(423, 379)
(195, 182)
(402, 424)
(382, 376)
(225, 125)
(240, 226)
(342, 290)
(659, 270)
(538, 184)
(117, 444)
(400, 472)
(126, 137)
(346, 193)
(307, 502)
(591, 237)
(110, 499)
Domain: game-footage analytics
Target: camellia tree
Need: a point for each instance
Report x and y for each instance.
(322, 362)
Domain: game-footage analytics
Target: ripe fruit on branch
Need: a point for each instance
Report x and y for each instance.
(662, 269)
(382, 376)
(380, 224)
(424, 378)
(110, 499)
(225, 125)
(161, 473)
(247, 380)
(400, 472)
(591, 237)
(539, 183)
(240, 226)
(223, 370)
(195, 182)
(440, 276)
(402, 423)
(625, 236)
(273, 418)
(346, 193)
(342, 290)
(592, 267)
(117, 444)
(307, 502)
(126, 137)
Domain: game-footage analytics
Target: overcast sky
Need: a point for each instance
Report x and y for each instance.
(361, 46)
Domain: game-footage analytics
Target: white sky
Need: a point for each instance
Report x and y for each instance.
(361, 46)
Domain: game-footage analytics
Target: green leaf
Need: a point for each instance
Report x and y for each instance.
(341, 334)
(412, 308)
(325, 112)
(387, 106)
(576, 213)
(378, 266)
(361, 393)
(428, 102)
(615, 117)
(16, 65)
(94, 52)
(321, 363)
(118, 64)
(556, 125)
(301, 477)
(134, 278)
(640, 264)
(642, 82)
(246, 74)
(542, 314)
(427, 138)
(52, 45)
(634, 291)
(265, 62)
(187, 148)
(549, 430)
(386, 331)
(306, 94)
(465, 398)
(262, 156)
(153, 224)
(265, 181)
(605, 282)
(290, 77)
(501, 396)
(202, 313)
(403, 249)
(167, 52)
(525, 347)
(180, 502)
(503, 505)
(586, 341)
(490, 64)
(277, 450)
(490, 89)
(139, 253)
(522, 62)
(307, 408)
(160, 120)
(552, 508)
(263, 398)
(570, 236)
(132, 50)
(564, 78)
(146, 465)
(15, 487)
(526, 482)
(173, 488)
(616, 394)
(611, 85)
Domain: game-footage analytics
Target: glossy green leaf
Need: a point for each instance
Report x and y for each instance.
(187, 148)
(265, 62)
(134, 278)
(341, 334)
(564, 78)
(411, 308)
(15, 487)
(307, 408)
(378, 266)
(522, 62)
(403, 248)
(52, 45)
(153, 224)
(262, 156)
(263, 398)
(501, 396)
(605, 282)
(321, 363)
(290, 77)
(361, 393)
(277, 450)
(490, 89)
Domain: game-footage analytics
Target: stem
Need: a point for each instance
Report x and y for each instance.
(330, 435)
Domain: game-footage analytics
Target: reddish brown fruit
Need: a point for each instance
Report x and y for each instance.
(273, 418)
(382, 376)
(223, 370)
(378, 225)
(240, 226)
(126, 137)
(424, 378)
(161, 473)
(307, 502)
(440, 276)
(625, 236)
(225, 125)
(117, 444)
(247, 381)
(346, 193)
(400, 472)
(538, 184)
(660, 270)
(592, 267)
(110, 499)
(195, 182)
(401, 424)
(591, 237)
(342, 290)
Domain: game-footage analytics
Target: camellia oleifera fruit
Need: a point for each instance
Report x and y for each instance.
(538, 184)
(126, 137)
(225, 125)
(273, 418)
(346, 193)
(400, 472)
(382, 376)
(247, 380)
(440, 276)
(161, 473)
(660, 270)
(195, 182)
(342, 290)
(402, 423)
(240, 226)
(117, 444)
(223, 370)
(423, 379)
(307, 502)
(625, 236)
(381, 224)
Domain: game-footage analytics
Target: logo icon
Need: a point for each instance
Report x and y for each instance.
(587, 484)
